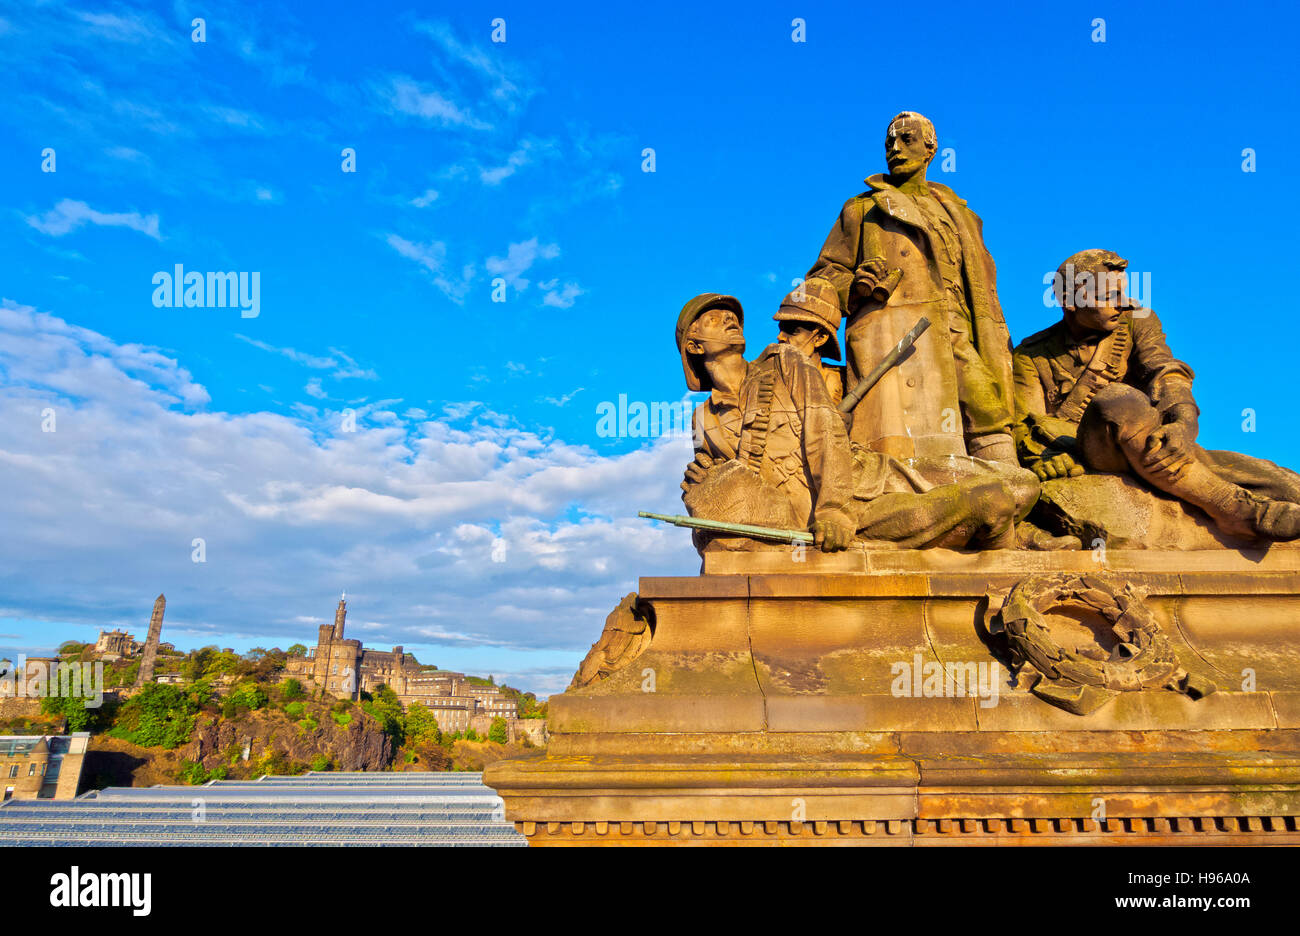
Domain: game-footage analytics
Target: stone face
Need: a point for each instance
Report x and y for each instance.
(1124, 514)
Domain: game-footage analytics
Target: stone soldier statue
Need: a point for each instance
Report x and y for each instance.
(908, 248)
(713, 360)
(1100, 390)
(774, 444)
(790, 464)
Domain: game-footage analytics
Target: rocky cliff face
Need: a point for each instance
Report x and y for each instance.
(359, 745)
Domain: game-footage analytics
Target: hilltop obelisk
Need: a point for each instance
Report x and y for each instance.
(151, 643)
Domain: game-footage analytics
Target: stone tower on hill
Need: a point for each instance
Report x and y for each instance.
(151, 643)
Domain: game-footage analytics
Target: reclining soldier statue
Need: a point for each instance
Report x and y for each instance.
(1101, 391)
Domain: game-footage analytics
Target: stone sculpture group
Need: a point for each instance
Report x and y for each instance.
(953, 445)
(1095, 608)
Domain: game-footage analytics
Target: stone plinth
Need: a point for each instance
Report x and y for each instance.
(767, 709)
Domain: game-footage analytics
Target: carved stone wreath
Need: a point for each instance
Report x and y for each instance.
(1084, 679)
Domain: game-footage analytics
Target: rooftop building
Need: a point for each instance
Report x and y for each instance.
(332, 808)
(41, 766)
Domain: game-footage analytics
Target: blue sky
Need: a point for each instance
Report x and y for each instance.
(476, 515)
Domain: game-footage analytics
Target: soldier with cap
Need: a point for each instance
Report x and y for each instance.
(789, 463)
(711, 341)
(1100, 390)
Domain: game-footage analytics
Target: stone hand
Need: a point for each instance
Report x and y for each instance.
(1057, 466)
(829, 536)
(867, 279)
(697, 469)
(1168, 449)
(1186, 418)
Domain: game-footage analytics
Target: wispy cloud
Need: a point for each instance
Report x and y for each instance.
(341, 365)
(518, 259)
(68, 215)
(131, 28)
(528, 151)
(483, 62)
(433, 258)
(560, 297)
(404, 95)
(564, 400)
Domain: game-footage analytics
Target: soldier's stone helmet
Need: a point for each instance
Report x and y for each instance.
(1094, 263)
(818, 303)
(696, 377)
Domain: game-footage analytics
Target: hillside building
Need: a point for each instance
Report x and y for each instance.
(344, 669)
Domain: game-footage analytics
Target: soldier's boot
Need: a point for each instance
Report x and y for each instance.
(1270, 519)
(1233, 509)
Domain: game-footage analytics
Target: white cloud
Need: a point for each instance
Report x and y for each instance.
(485, 65)
(130, 29)
(433, 257)
(518, 259)
(406, 515)
(68, 215)
(564, 400)
(525, 154)
(562, 298)
(233, 117)
(405, 95)
(341, 364)
(425, 200)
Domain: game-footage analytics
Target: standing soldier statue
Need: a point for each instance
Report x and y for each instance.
(904, 249)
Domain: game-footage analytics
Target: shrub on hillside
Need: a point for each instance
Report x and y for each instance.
(157, 716)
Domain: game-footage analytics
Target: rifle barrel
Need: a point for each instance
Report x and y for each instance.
(895, 355)
(742, 529)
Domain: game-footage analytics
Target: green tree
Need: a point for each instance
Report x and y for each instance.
(73, 710)
(387, 710)
(157, 716)
(297, 650)
(196, 666)
(248, 695)
(499, 732)
(421, 725)
(291, 689)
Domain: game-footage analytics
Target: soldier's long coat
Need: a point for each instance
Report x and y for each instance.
(962, 365)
